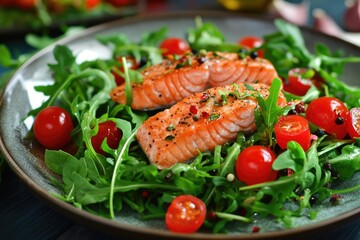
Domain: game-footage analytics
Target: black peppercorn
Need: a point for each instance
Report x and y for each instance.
(339, 120)
(319, 132)
(143, 61)
(253, 55)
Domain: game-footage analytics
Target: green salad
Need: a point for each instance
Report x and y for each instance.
(107, 174)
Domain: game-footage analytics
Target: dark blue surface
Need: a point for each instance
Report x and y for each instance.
(24, 216)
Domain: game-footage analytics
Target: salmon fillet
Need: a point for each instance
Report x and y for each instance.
(199, 123)
(172, 80)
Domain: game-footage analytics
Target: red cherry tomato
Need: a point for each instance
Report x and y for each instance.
(7, 3)
(185, 214)
(254, 165)
(298, 83)
(353, 126)
(52, 127)
(330, 114)
(251, 42)
(174, 45)
(26, 4)
(90, 4)
(292, 128)
(109, 131)
(131, 64)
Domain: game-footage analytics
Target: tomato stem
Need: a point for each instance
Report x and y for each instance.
(230, 216)
(346, 190)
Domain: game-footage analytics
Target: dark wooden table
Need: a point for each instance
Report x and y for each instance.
(24, 216)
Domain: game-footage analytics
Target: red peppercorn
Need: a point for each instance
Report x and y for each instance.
(255, 229)
(204, 97)
(193, 109)
(212, 215)
(145, 194)
(335, 199)
(205, 114)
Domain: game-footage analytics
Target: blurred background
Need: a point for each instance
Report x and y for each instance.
(21, 16)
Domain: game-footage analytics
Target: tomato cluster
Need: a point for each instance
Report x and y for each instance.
(53, 126)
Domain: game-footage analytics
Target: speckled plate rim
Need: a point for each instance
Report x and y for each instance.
(114, 228)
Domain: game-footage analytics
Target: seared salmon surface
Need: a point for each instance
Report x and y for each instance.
(174, 79)
(200, 122)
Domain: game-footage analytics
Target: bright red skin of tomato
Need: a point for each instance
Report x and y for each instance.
(251, 42)
(90, 4)
(173, 45)
(131, 63)
(120, 3)
(52, 127)
(254, 165)
(296, 84)
(324, 111)
(292, 128)
(25, 4)
(353, 126)
(109, 131)
(185, 214)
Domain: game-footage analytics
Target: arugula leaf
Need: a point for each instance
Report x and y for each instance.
(208, 36)
(347, 163)
(268, 113)
(6, 58)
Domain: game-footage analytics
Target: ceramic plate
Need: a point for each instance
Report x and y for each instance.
(25, 157)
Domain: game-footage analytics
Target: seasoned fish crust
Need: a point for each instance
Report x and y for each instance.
(200, 122)
(172, 80)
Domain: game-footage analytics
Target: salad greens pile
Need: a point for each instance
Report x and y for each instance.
(104, 185)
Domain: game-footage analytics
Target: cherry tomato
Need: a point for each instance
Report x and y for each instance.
(185, 214)
(292, 128)
(109, 131)
(131, 63)
(26, 4)
(52, 127)
(7, 3)
(298, 82)
(251, 42)
(353, 126)
(330, 114)
(174, 45)
(254, 165)
(90, 4)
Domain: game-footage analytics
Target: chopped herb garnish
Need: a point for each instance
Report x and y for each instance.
(214, 116)
(170, 127)
(169, 137)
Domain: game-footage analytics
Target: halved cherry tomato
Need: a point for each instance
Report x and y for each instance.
(254, 165)
(185, 214)
(353, 126)
(251, 42)
(131, 64)
(109, 131)
(299, 81)
(292, 128)
(52, 127)
(330, 114)
(174, 45)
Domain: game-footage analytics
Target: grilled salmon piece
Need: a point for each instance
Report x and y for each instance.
(200, 122)
(172, 80)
